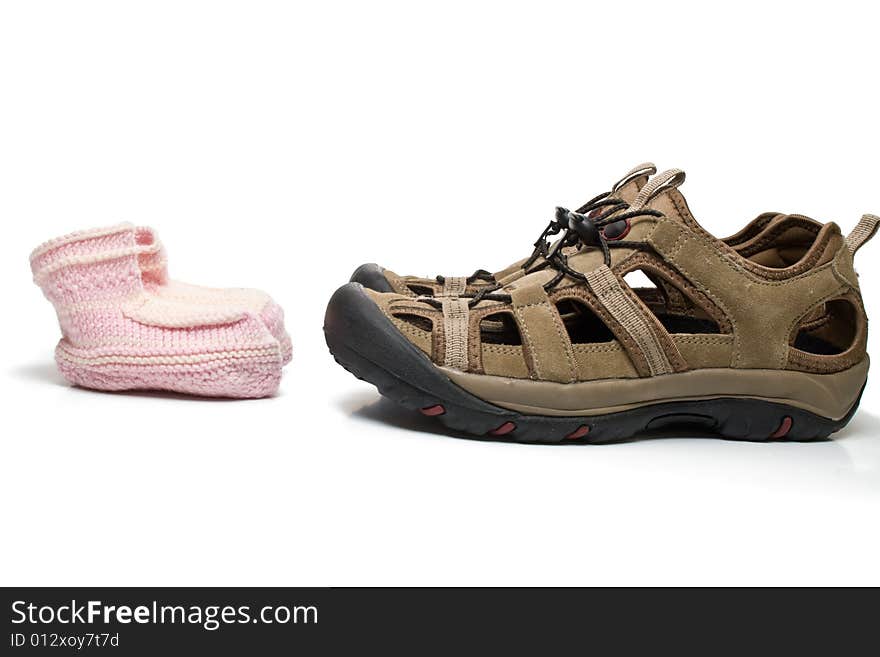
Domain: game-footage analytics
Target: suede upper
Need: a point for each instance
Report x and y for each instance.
(780, 294)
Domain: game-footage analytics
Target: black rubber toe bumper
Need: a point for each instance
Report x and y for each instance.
(372, 276)
(366, 343)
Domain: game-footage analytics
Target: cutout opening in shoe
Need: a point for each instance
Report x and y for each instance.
(682, 324)
(422, 323)
(421, 290)
(582, 324)
(674, 308)
(829, 330)
(646, 288)
(500, 328)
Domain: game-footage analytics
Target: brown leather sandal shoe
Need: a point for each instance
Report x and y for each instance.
(760, 337)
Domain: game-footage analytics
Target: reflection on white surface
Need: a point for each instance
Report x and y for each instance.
(663, 510)
(330, 484)
(848, 462)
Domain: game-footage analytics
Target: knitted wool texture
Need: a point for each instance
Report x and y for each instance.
(126, 326)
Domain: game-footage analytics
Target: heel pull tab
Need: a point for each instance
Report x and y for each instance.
(658, 184)
(864, 231)
(643, 169)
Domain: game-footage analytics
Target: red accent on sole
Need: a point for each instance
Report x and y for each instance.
(432, 411)
(580, 432)
(503, 430)
(783, 429)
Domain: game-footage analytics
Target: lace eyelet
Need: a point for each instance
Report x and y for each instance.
(618, 231)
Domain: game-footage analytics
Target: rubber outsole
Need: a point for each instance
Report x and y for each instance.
(372, 276)
(362, 339)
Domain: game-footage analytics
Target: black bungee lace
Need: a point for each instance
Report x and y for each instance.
(479, 275)
(542, 244)
(584, 228)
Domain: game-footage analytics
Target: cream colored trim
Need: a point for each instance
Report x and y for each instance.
(79, 236)
(864, 230)
(454, 286)
(606, 286)
(153, 310)
(63, 352)
(643, 169)
(92, 258)
(662, 181)
(455, 330)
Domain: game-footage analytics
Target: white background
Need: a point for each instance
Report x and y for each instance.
(279, 145)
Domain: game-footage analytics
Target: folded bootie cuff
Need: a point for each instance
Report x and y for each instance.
(153, 262)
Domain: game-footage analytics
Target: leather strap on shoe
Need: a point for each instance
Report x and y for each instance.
(643, 169)
(455, 332)
(608, 290)
(659, 183)
(454, 286)
(548, 349)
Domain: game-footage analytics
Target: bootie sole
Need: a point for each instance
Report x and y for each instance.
(230, 373)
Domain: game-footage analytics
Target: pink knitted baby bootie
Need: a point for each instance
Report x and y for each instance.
(118, 335)
(153, 262)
